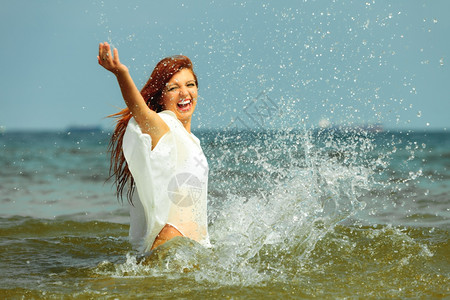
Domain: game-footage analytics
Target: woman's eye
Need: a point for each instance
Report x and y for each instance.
(191, 84)
(172, 88)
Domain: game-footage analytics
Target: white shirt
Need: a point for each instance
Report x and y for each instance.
(171, 182)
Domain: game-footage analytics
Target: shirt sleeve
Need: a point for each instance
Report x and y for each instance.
(136, 145)
(150, 170)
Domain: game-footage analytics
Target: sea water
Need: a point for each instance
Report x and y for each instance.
(329, 213)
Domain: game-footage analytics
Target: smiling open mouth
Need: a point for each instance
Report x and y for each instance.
(184, 105)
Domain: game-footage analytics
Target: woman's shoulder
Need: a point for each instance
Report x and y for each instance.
(176, 126)
(171, 120)
(168, 117)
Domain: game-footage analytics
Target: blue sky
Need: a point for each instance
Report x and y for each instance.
(260, 63)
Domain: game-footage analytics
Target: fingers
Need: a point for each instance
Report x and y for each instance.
(116, 55)
(101, 51)
(104, 52)
(109, 61)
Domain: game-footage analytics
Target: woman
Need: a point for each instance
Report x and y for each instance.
(154, 152)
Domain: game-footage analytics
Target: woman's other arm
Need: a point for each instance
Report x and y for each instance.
(148, 120)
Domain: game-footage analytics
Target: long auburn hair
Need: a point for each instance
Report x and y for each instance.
(152, 93)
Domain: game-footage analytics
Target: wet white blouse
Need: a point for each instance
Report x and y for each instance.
(171, 182)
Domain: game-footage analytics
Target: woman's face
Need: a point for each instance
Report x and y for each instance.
(180, 95)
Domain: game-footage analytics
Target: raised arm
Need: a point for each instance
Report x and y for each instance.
(148, 120)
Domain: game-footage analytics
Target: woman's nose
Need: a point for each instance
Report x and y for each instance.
(184, 92)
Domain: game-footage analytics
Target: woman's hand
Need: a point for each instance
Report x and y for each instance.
(108, 61)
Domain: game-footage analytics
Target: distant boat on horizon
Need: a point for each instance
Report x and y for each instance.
(370, 127)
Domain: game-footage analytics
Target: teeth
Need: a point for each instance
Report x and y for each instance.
(184, 102)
